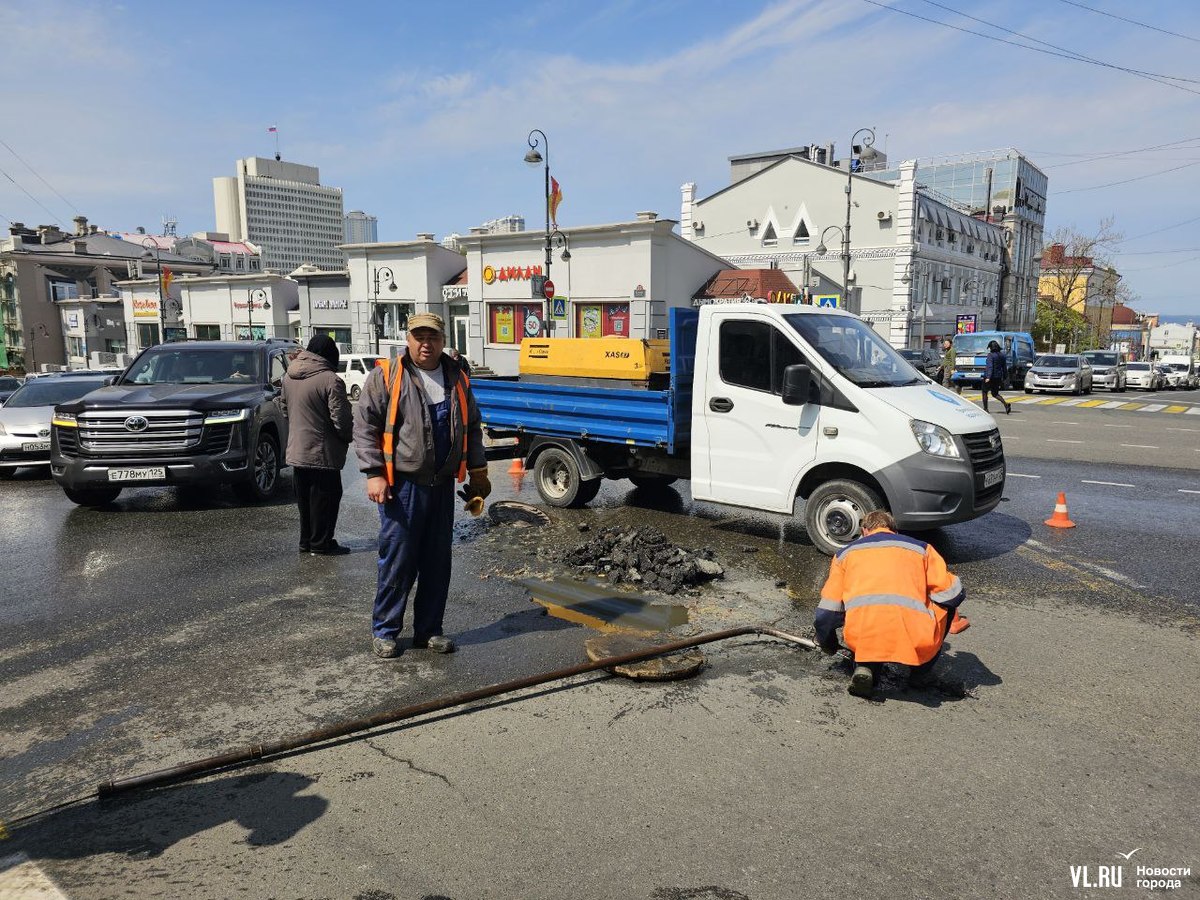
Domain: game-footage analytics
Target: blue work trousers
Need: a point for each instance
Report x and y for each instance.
(415, 531)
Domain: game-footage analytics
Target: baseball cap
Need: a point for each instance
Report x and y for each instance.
(427, 320)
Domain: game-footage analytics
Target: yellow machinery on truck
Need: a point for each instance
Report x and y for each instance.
(598, 361)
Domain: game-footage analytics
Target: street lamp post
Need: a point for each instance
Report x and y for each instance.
(149, 244)
(865, 154)
(535, 158)
(380, 272)
(822, 250)
(33, 329)
(918, 268)
(260, 295)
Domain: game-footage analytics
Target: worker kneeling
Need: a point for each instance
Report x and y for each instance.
(895, 598)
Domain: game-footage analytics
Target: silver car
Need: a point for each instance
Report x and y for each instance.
(1067, 373)
(1109, 369)
(25, 418)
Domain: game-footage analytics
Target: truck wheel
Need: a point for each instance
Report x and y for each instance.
(92, 496)
(559, 482)
(264, 471)
(834, 512)
(652, 482)
(355, 392)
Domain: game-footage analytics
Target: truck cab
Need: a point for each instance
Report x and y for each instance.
(970, 356)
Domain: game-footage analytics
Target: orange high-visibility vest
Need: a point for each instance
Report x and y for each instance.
(393, 412)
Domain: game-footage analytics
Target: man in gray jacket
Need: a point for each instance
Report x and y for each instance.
(416, 429)
(319, 434)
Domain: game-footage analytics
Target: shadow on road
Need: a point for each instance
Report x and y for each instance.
(525, 621)
(144, 826)
(991, 536)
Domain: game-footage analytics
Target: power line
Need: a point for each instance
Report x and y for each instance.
(1157, 231)
(70, 205)
(1096, 187)
(992, 37)
(1157, 252)
(1131, 21)
(53, 217)
(1119, 152)
(1152, 75)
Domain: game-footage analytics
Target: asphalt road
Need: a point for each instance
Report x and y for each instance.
(163, 630)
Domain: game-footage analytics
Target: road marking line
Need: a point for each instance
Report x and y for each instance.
(1176, 409)
(1153, 407)
(1074, 402)
(1139, 446)
(1053, 559)
(25, 879)
(1112, 404)
(1060, 422)
(1060, 441)
(1191, 430)
(1019, 475)
(1130, 406)
(1089, 404)
(1181, 490)
(1110, 425)
(1194, 411)
(1050, 401)
(1107, 483)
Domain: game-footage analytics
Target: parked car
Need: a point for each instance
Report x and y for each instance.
(353, 369)
(927, 361)
(25, 418)
(8, 386)
(1068, 373)
(1143, 376)
(195, 413)
(1109, 369)
(1167, 378)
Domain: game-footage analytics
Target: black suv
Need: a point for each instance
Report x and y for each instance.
(186, 413)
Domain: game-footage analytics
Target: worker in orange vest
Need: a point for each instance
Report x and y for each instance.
(417, 430)
(896, 600)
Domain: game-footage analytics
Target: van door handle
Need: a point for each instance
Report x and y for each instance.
(720, 404)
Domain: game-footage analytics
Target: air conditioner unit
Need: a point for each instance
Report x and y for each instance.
(752, 224)
(883, 215)
(697, 226)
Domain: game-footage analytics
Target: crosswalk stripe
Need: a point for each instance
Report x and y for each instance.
(1153, 407)
(1075, 402)
(1194, 411)
(1088, 404)
(1112, 404)
(1051, 400)
(1176, 409)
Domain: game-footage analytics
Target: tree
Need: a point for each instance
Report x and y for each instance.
(1078, 276)
(1055, 323)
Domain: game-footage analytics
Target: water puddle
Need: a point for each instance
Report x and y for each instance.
(596, 606)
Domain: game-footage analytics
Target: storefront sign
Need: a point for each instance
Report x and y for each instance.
(965, 324)
(254, 304)
(781, 297)
(705, 301)
(331, 304)
(504, 325)
(145, 308)
(492, 274)
(454, 292)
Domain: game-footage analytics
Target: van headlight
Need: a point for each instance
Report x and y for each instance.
(221, 416)
(934, 439)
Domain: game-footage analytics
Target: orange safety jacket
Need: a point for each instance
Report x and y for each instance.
(894, 594)
(393, 412)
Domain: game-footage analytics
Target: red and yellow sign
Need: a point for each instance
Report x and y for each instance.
(781, 297)
(145, 308)
(492, 274)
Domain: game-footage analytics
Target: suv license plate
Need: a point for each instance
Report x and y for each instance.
(993, 477)
(137, 474)
(35, 446)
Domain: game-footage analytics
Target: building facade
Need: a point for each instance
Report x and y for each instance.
(920, 270)
(1174, 339)
(360, 228)
(283, 208)
(324, 307)
(1079, 284)
(1001, 187)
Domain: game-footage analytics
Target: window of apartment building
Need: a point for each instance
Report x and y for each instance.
(114, 345)
(75, 346)
(769, 238)
(801, 236)
(147, 334)
(241, 263)
(207, 332)
(63, 290)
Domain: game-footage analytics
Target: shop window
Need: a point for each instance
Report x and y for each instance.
(207, 332)
(148, 334)
(754, 355)
(594, 320)
(393, 320)
(510, 323)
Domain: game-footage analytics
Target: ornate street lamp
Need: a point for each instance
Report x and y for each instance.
(150, 244)
(534, 158)
(822, 250)
(380, 273)
(919, 268)
(866, 153)
(260, 295)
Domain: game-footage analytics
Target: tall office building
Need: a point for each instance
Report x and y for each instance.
(361, 228)
(284, 209)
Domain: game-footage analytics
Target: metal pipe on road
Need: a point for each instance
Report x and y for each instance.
(186, 771)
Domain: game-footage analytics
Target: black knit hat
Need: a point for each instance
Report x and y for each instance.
(323, 345)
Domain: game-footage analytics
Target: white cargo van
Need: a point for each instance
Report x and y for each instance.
(353, 369)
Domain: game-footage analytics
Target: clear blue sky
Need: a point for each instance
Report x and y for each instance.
(420, 111)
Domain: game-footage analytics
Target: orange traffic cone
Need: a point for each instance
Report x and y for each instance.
(517, 467)
(959, 623)
(1060, 519)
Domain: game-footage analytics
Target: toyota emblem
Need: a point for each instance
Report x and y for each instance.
(43, 432)
(137, 423)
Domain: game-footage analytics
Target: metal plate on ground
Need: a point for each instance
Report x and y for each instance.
(684, 664)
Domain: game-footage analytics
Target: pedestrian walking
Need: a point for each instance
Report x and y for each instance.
(320, 428)
(945, 376)
(894, 599)
(995, 372)
(417, 430)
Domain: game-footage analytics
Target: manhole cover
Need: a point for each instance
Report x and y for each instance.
(508, 512)
(684, 664)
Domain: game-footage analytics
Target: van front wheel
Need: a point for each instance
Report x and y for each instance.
(834, 512)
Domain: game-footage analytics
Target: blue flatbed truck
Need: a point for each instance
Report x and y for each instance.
(781, 402)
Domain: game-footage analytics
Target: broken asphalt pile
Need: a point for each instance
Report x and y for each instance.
(644, 556)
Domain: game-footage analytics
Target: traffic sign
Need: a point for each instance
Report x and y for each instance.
(830, 300)
(558, 309)
(548, 289)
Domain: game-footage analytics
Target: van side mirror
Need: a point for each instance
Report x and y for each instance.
(111, 380)
(796, 382)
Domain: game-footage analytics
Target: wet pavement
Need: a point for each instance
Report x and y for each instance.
(169, 628)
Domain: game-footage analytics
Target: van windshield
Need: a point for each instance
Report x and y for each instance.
(972, 343)
(855, 349)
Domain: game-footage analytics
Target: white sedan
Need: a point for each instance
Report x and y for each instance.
(1143, 376)
(25, 418)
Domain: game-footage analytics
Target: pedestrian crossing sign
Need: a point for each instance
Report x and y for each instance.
(558, 309)
(834, 301)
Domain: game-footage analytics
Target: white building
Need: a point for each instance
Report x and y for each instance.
(93, 330)
(920, 269)
(324, 307)
(360, 228)
(282, 208)
(1174, 339)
